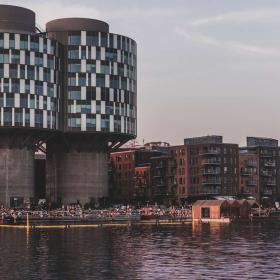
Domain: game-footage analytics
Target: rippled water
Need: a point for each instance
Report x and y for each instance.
(246, 251)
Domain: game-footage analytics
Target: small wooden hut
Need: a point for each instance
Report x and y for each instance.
(222, 209)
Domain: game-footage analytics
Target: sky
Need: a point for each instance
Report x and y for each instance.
(204, 66)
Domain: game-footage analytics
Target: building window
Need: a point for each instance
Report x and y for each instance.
(105, 69)
(34, 44)
(12, 41)
(100, 80)
(111, 55)
(1, 40)
(72, 81)
(91, 122)
(74, 122)
(4, 56)
(205, 212)
(15, 85)
(74, 40)
(15, 57)
(92, 39)
(82, 80)
(18, 118)
(38, 118)
(50, 62)
(91, 67)
(105, 124)
(8, 116)
(104, 39)
(74, 94)
(10, 101)
(84, 109)
(74, 67)
(73, 54)
(23, 101)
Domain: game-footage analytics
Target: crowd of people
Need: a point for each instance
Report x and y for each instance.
(115, 212)
(169, 213)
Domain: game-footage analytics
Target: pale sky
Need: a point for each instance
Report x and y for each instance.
(204, 66)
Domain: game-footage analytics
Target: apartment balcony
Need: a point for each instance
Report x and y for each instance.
(211, 172)
(246, 173)
(211, 182)
(247, 191)
(160, 190)
(267, 192)
(251, 183)
(210, 152)
(160, 166)
(211, 191)
(270, 183)
(266, 155)
(270, 164)
(158, 176)
(251, 164)
(267, 173)
(211, 162)
(141, 187)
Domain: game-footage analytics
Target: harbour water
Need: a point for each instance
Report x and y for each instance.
(204, 251)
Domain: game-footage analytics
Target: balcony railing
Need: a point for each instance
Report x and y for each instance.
(211, 191)
(267, 155)
(246, 173)
(211, 162)
(251, 164)
(266, 173)
(209, 152)
(251, 183)
(267, 191)
(247, 191)
(158, 175)
(211, 172)
(211, 182)
(270, 164)
(271, 183)
(160, 166)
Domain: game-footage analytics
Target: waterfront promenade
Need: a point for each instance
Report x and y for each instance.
(74, 216)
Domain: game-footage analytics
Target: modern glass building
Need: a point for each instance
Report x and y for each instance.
(74, 88)
(29, 100)
(99, 76)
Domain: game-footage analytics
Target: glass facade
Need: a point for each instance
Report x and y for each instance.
(101, 83)
(29, 81)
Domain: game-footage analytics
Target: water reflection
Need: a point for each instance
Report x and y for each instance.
(201, 251)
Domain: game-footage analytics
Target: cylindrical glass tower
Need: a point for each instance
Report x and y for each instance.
(29, 100)
(98, 108)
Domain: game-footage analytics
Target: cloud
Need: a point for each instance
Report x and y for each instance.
(236, 46)
(240, 17)
(253, 49)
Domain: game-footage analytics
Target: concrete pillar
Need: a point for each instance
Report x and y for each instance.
(76, 175)
(16, 175)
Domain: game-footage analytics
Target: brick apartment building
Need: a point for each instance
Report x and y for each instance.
(163, 185)
(259, 169)
(142, 175)
(206, 167)
(142, 182)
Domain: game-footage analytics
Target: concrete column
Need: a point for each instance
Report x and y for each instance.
(16, 175)
(77, 176)
(51, 177)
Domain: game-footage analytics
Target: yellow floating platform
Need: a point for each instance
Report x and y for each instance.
(92, 225)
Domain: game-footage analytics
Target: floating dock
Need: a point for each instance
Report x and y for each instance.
(96, 225)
